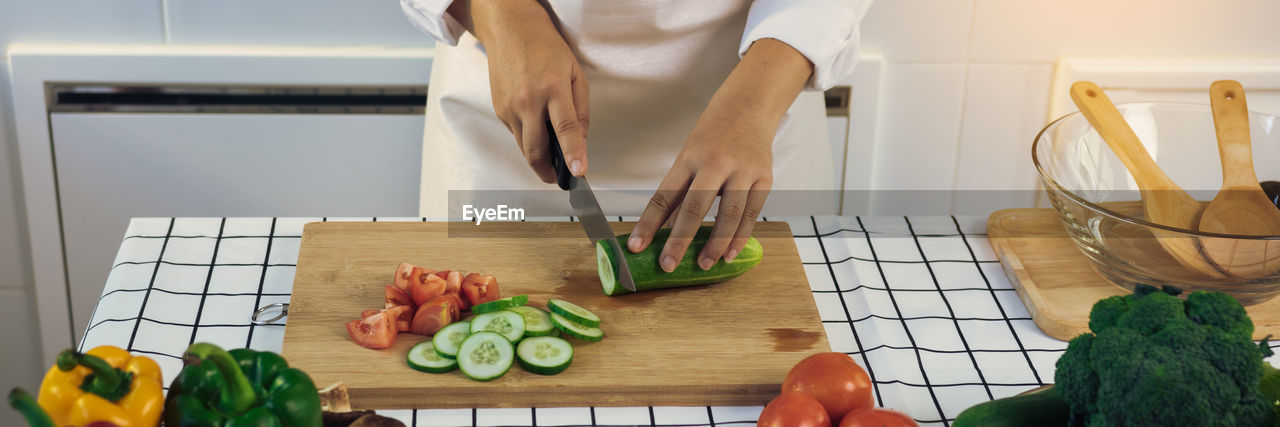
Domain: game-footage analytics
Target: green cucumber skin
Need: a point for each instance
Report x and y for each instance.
(1042, 408)
(648, 275)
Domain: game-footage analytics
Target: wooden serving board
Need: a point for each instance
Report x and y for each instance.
(1057, 283)
(730, 343)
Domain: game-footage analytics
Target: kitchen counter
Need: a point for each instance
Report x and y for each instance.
(921, 302)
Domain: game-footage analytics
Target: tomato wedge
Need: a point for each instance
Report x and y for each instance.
(444, 274)
(425, 287)
(453, 285)
(395, 296)
(480, 288)
(434, 315)
(404, 273)
(370, 312)
(376, 331)
(402, 316)
(455, 305)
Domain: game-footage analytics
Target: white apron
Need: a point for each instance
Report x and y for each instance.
(652, 66)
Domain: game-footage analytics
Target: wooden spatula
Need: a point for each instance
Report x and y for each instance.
(1241, 207)
(1163, 201)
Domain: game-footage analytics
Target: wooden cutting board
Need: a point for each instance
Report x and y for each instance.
(1057, 283)
(725, 344)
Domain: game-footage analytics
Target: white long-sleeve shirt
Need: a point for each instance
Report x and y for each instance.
(824, 31)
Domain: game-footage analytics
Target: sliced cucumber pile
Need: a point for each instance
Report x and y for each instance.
(537, 323)
(508, 323)
(572, 312)
(501, 304)
(544, 355)
(425, 358)
(450, 337)
(485, 355)
(504, 332)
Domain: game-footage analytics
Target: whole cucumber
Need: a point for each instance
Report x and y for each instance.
(1039, 408)
(648, 275)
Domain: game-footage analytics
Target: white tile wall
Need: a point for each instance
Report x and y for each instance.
(1020, 30)
(918, 129)
(1005, 105)
(312, 22)
(918, 30)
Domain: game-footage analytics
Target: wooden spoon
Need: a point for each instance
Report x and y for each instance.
(1163, 201)
(1241, 207)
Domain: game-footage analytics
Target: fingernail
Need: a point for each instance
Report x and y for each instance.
(634, 243)
(576, 167)
(729, 256)
(706, 262)
(668, 263)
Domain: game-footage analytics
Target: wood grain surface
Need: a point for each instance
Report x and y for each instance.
(724, 344)
(1057, 283)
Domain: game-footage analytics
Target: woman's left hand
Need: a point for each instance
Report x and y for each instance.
(728, 154)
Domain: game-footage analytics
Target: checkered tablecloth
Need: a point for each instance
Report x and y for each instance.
(920, 302)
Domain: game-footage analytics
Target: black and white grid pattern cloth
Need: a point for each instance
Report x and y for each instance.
(920, 302)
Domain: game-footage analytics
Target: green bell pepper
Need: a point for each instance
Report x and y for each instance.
(241, 387)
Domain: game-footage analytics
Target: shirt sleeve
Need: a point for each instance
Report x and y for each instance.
(432, 17)
(824, 31)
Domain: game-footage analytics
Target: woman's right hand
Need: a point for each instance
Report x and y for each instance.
(532, 75)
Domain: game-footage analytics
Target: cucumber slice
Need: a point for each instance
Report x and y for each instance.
(501, 304)
(425, 358)
(573, 329)
(450, 337)
(505, 322)
(544, 355)
(572, 312)
(649, 276)
(485, 355)
(536, 322)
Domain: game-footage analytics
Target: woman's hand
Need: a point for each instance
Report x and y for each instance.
(729, 153)
(532, 75)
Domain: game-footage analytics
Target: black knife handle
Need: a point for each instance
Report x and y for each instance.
(563, 176)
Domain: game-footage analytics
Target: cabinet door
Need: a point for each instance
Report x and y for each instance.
(114, 166)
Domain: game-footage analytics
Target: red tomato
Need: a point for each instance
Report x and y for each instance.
(455, 305)
(433, 315)
(479, 288)
(875, 417)
(453, 282)
(370, 312)
(402, 315)
(425, 287)
(444, 274)
(376, 331)
(794, 409)
(395, 296)
(403, 273)
(835, 380)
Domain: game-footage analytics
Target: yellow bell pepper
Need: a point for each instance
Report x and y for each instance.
(107, 384)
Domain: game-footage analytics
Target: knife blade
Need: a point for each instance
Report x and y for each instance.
(587, 209)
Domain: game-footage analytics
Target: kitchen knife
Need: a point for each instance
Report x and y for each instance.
(587, 209)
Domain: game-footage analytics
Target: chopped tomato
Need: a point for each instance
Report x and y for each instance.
(444, 274)
(453, 284)
(478, 288)
(403, 275)
(376, 331)
(455, 304)
(433, 315)
(402, 315)
(425, 287)
(395, 296)
(370, 312)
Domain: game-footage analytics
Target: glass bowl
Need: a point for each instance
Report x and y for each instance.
(1101, 208)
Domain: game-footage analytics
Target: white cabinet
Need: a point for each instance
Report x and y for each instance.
(114, 166)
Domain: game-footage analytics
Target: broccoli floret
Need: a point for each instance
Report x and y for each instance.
(1156, 360)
